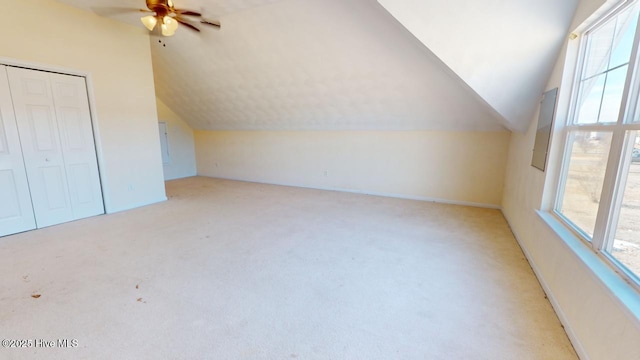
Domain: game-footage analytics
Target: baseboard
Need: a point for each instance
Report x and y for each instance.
(180, 177)
(135, 205)
(365, 192)
(575, 342)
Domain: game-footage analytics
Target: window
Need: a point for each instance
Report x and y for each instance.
(599, 189)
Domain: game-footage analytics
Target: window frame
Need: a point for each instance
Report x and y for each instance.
(615, 178)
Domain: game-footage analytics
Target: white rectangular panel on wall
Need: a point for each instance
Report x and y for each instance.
(164, 143)
(41, 148)
(78, 146)
(16, 211)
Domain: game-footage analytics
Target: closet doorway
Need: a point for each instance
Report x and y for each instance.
(48, 165)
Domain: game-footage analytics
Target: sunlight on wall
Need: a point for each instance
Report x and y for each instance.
(459, 167)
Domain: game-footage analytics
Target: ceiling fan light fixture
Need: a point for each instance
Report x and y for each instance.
(166, 31)
(162, 18)
(169, 26)
(149, 22)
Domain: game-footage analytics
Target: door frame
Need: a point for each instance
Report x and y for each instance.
(92, 110)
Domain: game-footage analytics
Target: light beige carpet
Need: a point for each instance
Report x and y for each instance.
(233, 270)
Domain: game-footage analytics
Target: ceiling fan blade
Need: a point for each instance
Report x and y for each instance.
(114, 11)
(185, 23)
(187, 12)
(210, 23)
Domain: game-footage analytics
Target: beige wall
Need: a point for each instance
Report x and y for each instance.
(600, 325)
(118, 58)
(181, 144)
(458, 167)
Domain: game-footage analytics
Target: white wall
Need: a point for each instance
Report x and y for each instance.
(504, 50)
(181, 145)
(600, 325)
(118, 58)
(459, 167)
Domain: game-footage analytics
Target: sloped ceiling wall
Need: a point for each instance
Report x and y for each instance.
(504, 49)
(313, 65)
(351, 65)
(307, 65)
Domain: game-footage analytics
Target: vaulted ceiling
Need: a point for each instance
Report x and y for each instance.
(357, 64)
(504, 49)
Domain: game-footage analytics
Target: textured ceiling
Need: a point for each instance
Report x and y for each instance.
(308, 65)
(210, 8)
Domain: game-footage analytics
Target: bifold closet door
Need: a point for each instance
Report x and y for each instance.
(16, 212)
(54, 123)
(78, 146)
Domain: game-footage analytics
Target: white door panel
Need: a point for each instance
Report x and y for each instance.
(48, 167)
(9, 194)
(41, 147)
(80, 180)
(55, 187)
(16, 212)
(78, 146)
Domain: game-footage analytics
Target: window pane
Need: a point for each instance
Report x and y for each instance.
(623, 39)
(626, 246)
(605, 69)
(598, 49)
(590, 100)
(584, 177)
(612, 98)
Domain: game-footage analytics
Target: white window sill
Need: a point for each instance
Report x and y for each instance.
(620, 289)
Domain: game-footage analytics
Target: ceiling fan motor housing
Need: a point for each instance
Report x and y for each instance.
(161, 7)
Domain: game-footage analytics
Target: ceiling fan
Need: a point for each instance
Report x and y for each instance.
(165, 18)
